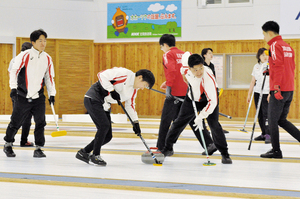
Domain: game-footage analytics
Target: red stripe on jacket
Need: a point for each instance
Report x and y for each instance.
(26, 64)
(208, 99)
(132, 99)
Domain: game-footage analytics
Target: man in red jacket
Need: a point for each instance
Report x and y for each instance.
(173, 85)
(282, 66)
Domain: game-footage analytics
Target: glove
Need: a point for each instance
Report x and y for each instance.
(115, 95)
(198, 123)
(13, 94)
(137, 129)
(51, 100)
(168, 93)
(266, 72)
(277, 92)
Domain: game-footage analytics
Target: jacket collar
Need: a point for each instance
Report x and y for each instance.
(275, 39)
(36, 52)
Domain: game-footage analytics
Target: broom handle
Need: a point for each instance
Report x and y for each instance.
(200, 130)
(144, 142)
(53, 111)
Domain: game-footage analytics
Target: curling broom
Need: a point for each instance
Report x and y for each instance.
(58, 132)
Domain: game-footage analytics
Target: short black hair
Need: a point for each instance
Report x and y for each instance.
(204, 51)
(35, 35)
(147, 76)
(195, 59)
(259, 53)
(271, 26)
(168, 39)
(26, 45)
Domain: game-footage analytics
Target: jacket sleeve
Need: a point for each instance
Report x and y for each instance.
(130, 106)
(15, 69)
(107, 77)
(49, 78)
(278, 63)
(170, 64)
(210, 90)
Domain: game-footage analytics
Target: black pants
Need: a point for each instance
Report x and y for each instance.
(102, 121)
(263, 112)
(169, 114)
(187, 116)
(21, 110)
(25, 128)
(277, 114)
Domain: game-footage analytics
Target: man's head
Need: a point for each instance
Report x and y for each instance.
(144, 79)
(167, 41)
(196, 65)
(38, 39)
(270, 30)
(25, 46)
(207, 53)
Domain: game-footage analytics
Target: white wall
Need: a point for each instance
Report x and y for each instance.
(79, 19)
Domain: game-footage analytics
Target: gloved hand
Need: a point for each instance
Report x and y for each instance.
(277, 92)
(115, 95)
(266, 72)
(198, 123)
(168, 93)
(137, 129)
(13, 94)
(51, 100)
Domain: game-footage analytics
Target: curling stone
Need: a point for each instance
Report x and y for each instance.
(148, 159)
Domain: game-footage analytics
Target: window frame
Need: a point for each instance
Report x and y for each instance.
(224, 3)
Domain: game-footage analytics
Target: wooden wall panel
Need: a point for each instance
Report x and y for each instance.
(74, 72)
(149, 55)
(77, 63)
(5, 57)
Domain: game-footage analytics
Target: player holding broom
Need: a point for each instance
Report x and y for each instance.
(32, 69)
(202, 80)
(114, 85)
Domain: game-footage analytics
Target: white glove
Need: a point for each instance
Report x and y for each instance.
(198, 123)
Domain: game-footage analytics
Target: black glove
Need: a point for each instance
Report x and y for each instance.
(266, 72)
(137, 129)
(115, 95)
(168, 93)
(13, 94)
(51, 100)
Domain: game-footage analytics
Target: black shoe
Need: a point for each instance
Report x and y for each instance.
(83, 156)
(38, 153)
(97, 160)
(260, 138)
(226, 159)
(9, 151)
(267, 139)
(225, 132)
(210, 149)
(167, 152)
(272, 154)
(26, 144)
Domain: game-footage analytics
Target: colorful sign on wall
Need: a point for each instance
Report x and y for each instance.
(143, 19)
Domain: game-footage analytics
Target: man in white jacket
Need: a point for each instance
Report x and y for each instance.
(31, 70)
(115, 85)
(202, 80)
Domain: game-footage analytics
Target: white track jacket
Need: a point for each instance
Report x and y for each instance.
(122, 81)
(29, 73)
(206, 84)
